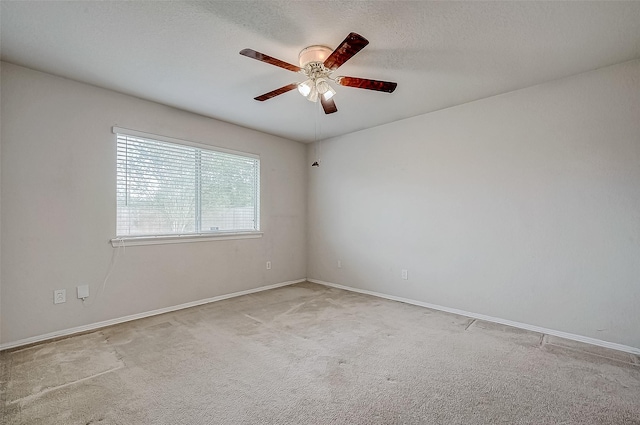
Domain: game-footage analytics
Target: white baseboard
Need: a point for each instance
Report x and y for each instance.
(533, 328)
(98, 325)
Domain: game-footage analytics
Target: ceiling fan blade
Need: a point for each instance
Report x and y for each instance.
(277, 92)
(365, 83)
(329, 106)
(345, 51)
(270, 60)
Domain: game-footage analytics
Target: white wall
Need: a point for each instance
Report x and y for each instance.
(523, 206)
(58, 209)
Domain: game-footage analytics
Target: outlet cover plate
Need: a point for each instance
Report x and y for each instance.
(83, 291)
(59, 296)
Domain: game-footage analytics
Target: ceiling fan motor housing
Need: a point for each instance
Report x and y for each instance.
(315, 53)
(312, 64)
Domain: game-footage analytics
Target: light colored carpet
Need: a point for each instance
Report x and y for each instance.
(307, 354)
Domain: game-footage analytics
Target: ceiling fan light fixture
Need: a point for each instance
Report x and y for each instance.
(329, 93)
(315, 53)
(305, 88)
(313, 95)
(322, 85)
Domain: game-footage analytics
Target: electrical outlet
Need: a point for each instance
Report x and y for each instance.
(339, 264)
(268, 265)
(83, 292)
(59, 296)
(405, 274)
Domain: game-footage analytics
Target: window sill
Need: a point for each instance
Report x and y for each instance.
(167, 239)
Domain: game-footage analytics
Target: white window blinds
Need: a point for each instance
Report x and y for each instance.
(167, 188)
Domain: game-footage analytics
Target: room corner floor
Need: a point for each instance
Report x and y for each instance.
(308, 354)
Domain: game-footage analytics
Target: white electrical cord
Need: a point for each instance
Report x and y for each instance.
(120, 250)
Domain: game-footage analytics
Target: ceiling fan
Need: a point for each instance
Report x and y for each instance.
(317, 63)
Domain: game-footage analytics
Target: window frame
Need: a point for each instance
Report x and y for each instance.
(195, 236)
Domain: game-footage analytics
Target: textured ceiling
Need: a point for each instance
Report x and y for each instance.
(185, 54)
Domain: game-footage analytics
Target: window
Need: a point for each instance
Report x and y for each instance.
(183, 189)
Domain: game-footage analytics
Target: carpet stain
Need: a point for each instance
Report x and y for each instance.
(39, 392)
(471, 322)
(288, 312)
(162, 325)
(254, 319)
